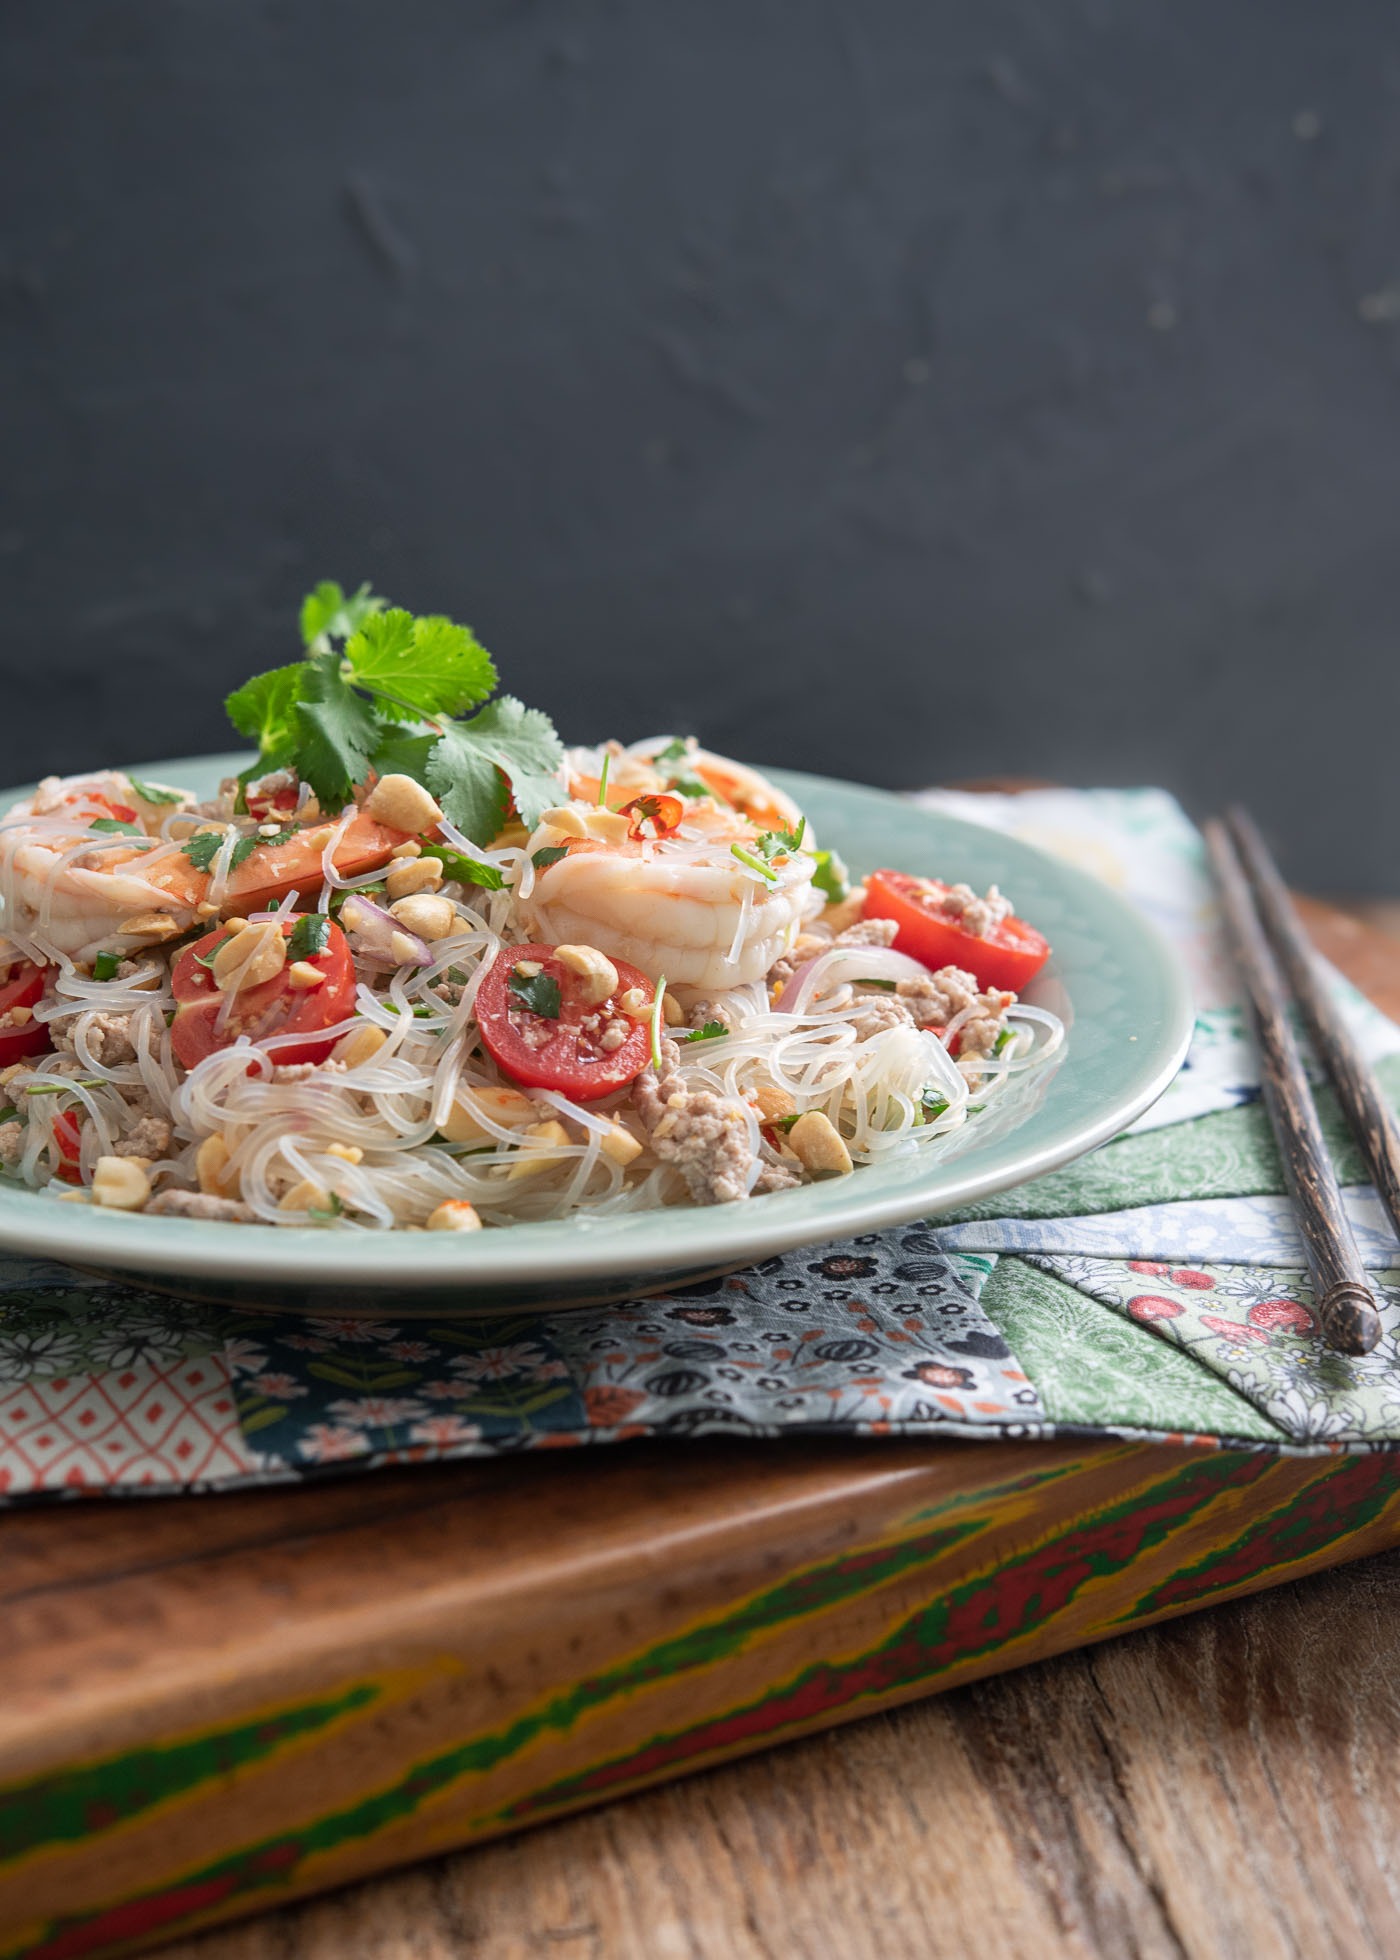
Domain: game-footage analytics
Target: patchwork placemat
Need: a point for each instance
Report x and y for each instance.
(1153, 1290)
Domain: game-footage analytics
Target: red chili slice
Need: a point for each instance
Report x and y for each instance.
(653, 816)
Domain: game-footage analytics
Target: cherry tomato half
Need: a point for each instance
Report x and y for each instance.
(1009, 956)
(274, 1008)
(119, 812)
(564, 1052)
(23, 988)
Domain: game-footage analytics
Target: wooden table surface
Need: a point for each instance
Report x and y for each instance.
(1225, 1784)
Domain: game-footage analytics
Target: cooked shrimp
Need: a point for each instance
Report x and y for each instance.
(682, 905)
(69, 889)
(644, 770)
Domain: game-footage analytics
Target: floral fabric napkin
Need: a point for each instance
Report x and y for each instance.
(1154, 1289)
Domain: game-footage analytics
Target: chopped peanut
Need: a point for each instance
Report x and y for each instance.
(302, 974)
(635, 1003)
(594, 969)
(420, 874)
(349, 1153)
(151, 925)
(402, 804)
(359, 1046)
(250, 958)
(570, 820)
(211, 1162)
(411, 849)
(456, 1215)
(816, 1141)
(620, 1145)
(672, 1013)
(120, 1183)
(430, 916)
(531, 1163)
(773, 1103)
(505, 1106)
(308, 1195)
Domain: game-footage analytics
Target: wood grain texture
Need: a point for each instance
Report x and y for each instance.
(1220, 1785)
(1207, 1788)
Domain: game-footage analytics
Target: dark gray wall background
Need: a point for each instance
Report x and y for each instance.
(899, 389)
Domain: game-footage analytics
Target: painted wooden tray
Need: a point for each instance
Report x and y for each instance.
(215, 1705)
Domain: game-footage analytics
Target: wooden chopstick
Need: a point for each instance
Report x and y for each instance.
(1363, 1101)
(1345, 1303)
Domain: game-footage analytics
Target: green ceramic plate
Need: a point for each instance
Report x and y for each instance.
(1112, 977)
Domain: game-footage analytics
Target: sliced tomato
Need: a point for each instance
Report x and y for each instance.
(563, 1052)
(1009, 956)
(274, 1008)
(68, 1141)
(280, 803)
(23, 988)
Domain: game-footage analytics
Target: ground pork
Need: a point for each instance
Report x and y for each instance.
(775, 1177)
(976, 915)
(149, 1136)
(108, 1037)
(303, 1071)
(809, 945)
(704, 1135)
(878, 1012)
(199, 1204)
(938, 999)
(11, 1144)
(706, 1011)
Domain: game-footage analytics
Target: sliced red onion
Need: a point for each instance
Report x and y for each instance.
(843, 963)
(372, 930)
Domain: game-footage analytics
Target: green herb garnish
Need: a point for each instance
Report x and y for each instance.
(712, 1031)
(310, 936)
(64, 1088)
(880, 986)
(386, 690)
(779, 843)
(114, 827)
(692, 786)
(932, 1107)
(324, 1213)
(9, 1114)
(1003, 1040)
(754, 863)
(536, 992)
(149, 793)
(831, 877)
(675, 750)
(204, 847)
(466, 870)
(548, 854)
(785, 1123)
(603, 782)
(104, 967)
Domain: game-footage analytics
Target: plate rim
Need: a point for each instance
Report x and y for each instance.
(579, 1249)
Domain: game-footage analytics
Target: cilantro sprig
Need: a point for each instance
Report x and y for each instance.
(538, 993)
(381, 690)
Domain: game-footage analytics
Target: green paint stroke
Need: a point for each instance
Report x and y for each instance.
(987, 1613)
(1340, 1503)
(276, 1860)
(78, 1803)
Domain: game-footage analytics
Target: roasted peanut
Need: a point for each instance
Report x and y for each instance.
(595, 971)
(819, 1145)
(455, 1215)
(426, 914)
(249, 958)
(402, 804)
(415, 874)
(120, 1183)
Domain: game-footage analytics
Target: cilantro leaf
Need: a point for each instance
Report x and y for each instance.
(114, 827)
(402, 753)
(692, 786)
(264, 709)
(324, 1213)
(712, 1031)
(338, 732)
(309, 936)
(327, 614)
(152, 793)
(505, 737)
(466, 870)
(537, 992)
(202, 849)
(425, 666)
(548, 854)
(673, 751)
(778, 843)
(831, 877)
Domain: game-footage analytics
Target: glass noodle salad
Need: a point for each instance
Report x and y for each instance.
(421, 966)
